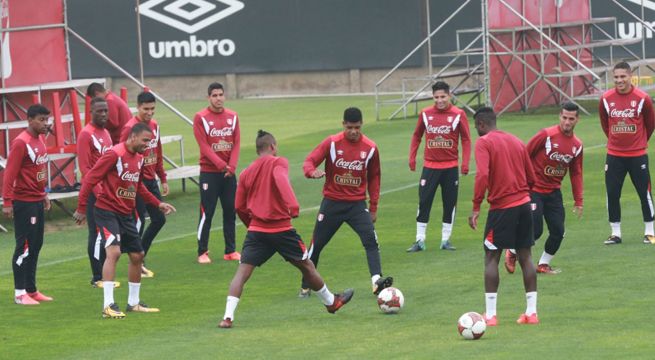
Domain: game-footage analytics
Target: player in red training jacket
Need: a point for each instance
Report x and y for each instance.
(266, 203)
(118, 112)
(92, 142)
(119, 172)
(553, 151)
(25, 200)
(504, 169)
(216, 129)
(628, 120)
(444, 125)
(352, 167)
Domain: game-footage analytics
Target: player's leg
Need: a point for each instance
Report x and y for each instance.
(640, 176)
(328, 221)
(360, 221)
(36, 238)
(227, 196)
(108, 230)
(95, 251)
(615, 171)
(157, 222)
(427, 188)
(131, 244)
(555, 216)
(25, 230)
(209, 190)
(449, 188)
(491, 282)
(524, 240)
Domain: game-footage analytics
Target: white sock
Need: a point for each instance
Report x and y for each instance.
(133, 295)
(513, 251)
(531, 299)
(19, 292)
(446, 230)
(108, 290)
(230, 307)
(490, 301)
(325, 295)
(375, 278)
(420, 231)
(649, 228)
(616, 228)
(545, 258)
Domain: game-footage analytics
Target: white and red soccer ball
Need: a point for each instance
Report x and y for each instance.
(391, 300)
(471, 326)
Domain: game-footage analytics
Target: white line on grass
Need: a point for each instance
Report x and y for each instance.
(400, 188)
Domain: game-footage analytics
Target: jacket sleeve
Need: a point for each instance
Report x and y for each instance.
(205, 148)
(416, 141)
(84, 152)
(649, 117)
(374, 177)
(604, 116)
(283, 185)
(146, 195)
(482, 173)
(93, 177)
(236, 145)
(125, 132)
(576, 179)
(465, 135)
(161, 173)
(241, 201)
(537, 143)
(316, 157)
(14, 163)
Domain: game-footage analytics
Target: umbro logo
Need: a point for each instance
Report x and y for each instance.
(189, 16)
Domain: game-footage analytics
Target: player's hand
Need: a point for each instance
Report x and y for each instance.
(465, 170)
(294, 212)
(374, 215)
(165, 190)
(79, 217)
(167, 208)
(473, 219)
(577, 210)
(317, 174)
(229, 172)
(8, 211)
(412, 165)
(47, 205)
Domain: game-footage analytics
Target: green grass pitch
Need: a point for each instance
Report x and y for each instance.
(598, 307)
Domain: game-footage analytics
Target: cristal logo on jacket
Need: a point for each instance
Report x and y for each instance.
(349, 165)
(130, 176)
(129, 193)
(625, 113)
(558, 170)
(150, 160)
(440, 143)
(41, 176)
(226, 131)
(565, 158)
(443, 129)
(222, 145)
(41, 159)
(622, 128)
(348, 180)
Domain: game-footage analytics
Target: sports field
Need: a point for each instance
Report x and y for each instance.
(600, 306)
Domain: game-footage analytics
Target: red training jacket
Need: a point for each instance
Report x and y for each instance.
(92, 142)
(153, 157)
(118, 114)
(219, 139)
(25, 176)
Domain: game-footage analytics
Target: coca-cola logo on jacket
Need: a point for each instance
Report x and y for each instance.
(226, 131)
(41, 159)
(130, 176)
(443, 129)
(625, 113)
(349, 165)
(565, 158)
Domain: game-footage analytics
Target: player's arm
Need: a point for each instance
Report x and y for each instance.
(373, 178)
(236, 147)
(125, 133)
(124, 113)
(92, 178)
(529, 170)
(481, 180)
(649, 116)
(575, 174)
(465, 136)
(603, 114)
(159, 169)
(283, 185)
(536, 143)
(315, 158)
(416, 141)
(13, 166)
(84, 152)
(203, 144)
(241, 202)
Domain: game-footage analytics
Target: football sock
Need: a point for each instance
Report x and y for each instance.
(108, 290)
(133, 295)
(649, 228)
(19, 292)
(325, 295)
(513, 251)
(420, 231)
(545, 258)
(230, 307)
(490, 301)
(616, 228)
(375, 278)
(531, 299)
(446, 230)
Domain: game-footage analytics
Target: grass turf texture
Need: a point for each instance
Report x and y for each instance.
(596, 308)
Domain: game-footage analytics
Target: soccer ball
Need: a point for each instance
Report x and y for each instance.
(471, 326)
(391, 300)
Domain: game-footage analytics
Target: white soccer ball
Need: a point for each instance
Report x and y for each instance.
(471, 326)
(391, 300)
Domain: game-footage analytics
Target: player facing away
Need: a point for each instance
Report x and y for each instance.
(504, 169)
(25, 200)
(216, 129)
(553, 151)
(153, 168)
(118, 112)
(118, 172)
(92, 142)
(627, 118)
(266, 203)
(444, 125)
(352, 167)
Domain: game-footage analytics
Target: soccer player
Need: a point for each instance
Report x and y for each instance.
(153, 167)
(352, 166)
(503, 168)
(118, 112)
(627, 118)
(443, 125)
(25, 200)
(118, 171)
(92, 142)
(553, 151)
(216, 129)
(266, 203)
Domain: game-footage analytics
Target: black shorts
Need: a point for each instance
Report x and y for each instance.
(509, 228)
(259, 247)
(117, 229)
